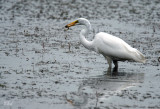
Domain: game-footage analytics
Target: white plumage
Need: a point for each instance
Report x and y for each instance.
(112, 48)
(116, 48)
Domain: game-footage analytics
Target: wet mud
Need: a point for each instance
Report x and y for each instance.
(44, 66)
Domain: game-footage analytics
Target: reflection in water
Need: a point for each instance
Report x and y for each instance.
(79, 98)
(103, 86)
(115, 83)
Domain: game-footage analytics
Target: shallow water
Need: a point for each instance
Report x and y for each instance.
(43, 66)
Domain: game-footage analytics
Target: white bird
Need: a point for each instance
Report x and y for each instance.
(111, 47)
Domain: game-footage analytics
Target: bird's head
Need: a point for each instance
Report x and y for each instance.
(72, 24)
(79, 21)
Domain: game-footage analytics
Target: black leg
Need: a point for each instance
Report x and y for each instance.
(115, 70)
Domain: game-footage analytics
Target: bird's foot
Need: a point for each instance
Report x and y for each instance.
(115, 72)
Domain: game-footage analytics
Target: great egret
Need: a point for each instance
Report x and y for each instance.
(111, 47)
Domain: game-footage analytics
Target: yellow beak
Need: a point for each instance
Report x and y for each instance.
(71, 24)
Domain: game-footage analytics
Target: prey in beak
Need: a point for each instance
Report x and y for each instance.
(71, 24)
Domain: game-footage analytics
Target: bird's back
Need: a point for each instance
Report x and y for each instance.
(116, 48)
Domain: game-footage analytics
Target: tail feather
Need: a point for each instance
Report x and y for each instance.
(139, 56)
(134, 53)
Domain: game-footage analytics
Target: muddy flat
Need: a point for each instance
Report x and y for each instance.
(42, 66)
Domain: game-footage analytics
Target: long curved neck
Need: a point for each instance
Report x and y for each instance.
(83, 33)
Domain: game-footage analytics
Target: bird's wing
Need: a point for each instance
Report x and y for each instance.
(115, 47)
